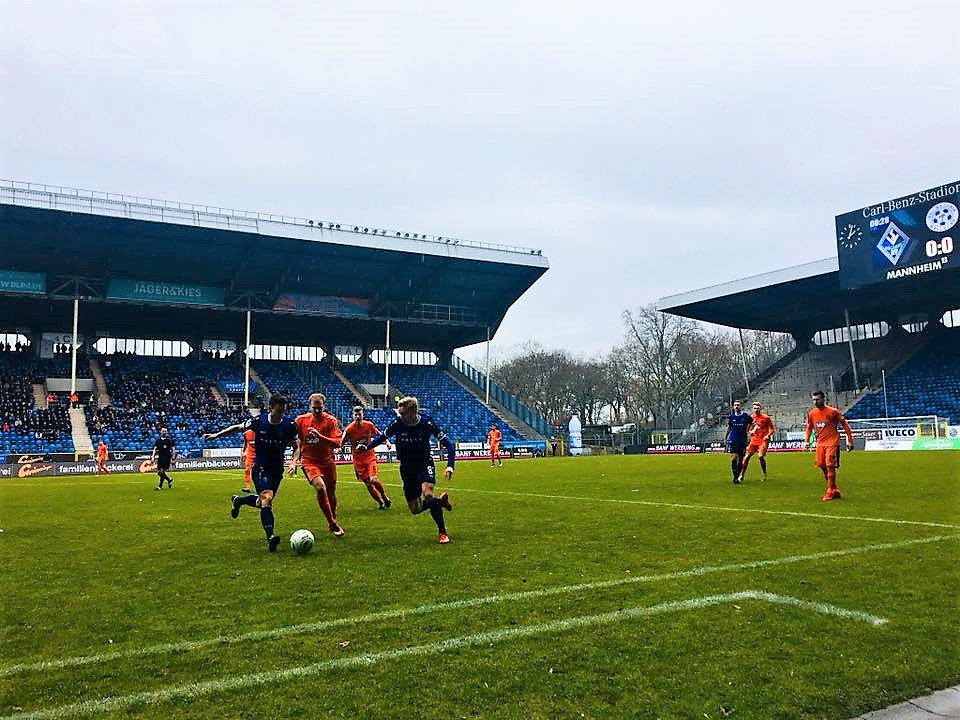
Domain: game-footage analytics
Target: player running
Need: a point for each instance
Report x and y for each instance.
(319, 435)
(823, 420)
(493, 440)
(164, 450)
(274, 433)
(736, 439)
(102, 458)
(760, 430)
(412, 432)
(359, 432)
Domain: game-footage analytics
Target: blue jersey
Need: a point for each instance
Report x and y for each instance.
(413, 441)
(737, 424)
(271, 440)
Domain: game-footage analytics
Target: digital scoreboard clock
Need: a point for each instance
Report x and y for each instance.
(909, 236)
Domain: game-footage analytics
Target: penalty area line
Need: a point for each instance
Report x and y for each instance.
(400, 613)
(209, 687)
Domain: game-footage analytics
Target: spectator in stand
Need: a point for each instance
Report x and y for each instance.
(74, 400)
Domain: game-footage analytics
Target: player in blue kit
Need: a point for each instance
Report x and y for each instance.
(737, 423)
(274, 434)
(412, 432)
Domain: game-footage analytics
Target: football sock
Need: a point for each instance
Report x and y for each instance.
(735, 466)
(831, 479)
(250, 500)
(380, 489)
(436, 511)
(763, 465)
(374, 494)
(324, 502)
(266, 519)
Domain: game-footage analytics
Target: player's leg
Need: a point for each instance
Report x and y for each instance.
(330, 480)
(159, 477)
(246, 478)
(833, 464)
(436, 505)
(316, 478)
(363, 477)
(734, 462)
(267, 484)
(746, 461)
(374, 475)
(762, 457)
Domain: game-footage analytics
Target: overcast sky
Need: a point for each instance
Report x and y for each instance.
(648, 148)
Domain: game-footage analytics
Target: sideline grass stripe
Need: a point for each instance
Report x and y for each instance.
(209, 687)
(188, 645)
(688, 506)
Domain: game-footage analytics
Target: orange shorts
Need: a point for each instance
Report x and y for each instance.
(365, 469)
(828, 456)
(327, 470)
(757, 447)
(495, 450)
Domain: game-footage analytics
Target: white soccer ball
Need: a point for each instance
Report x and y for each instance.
(302, 541)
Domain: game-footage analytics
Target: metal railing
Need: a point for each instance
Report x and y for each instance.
(503, 398)
(21, 193)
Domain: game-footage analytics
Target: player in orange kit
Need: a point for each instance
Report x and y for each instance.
(823, 420)
(359, 432)
(319, 435)
(102, 458)
(759, 431)
(248, 457)
(493, 440)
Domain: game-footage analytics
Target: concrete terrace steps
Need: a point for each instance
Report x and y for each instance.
(103, 397)
(39, 396)
(521, 428)
(82, 442)
(363, 397)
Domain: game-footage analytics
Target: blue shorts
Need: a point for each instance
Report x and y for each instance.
(738, 447)
(266, 478)
(414, 477)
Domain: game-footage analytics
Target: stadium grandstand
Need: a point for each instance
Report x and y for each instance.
(122, 315)
(875, 328)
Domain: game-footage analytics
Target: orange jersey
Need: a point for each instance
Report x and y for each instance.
(493, 438)
(761, 428)
(362, 432)
(248, 454)
(101, 452)
(824, 423)
(318, 438)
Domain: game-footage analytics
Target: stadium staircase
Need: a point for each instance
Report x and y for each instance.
(502, 413)
(469, 377)
(103, 397)
(262, 389)
(221, 399)
(363, 397)
(39, 396)
(82, 443)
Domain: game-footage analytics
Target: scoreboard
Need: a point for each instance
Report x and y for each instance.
(901, 238)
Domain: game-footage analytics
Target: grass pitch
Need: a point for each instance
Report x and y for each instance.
(640, 587)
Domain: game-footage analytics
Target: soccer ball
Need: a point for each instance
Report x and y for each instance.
(301, 542)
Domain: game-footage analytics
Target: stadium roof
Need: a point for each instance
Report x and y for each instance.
(307, 280)
(806, 298)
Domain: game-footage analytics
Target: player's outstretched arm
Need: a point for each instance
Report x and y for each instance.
(226, 431)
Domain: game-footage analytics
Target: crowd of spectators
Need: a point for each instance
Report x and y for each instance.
(148, 393)
(21, 426)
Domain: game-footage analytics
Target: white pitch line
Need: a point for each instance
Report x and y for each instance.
(689, 506)
(189, 645)
(209, 687)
